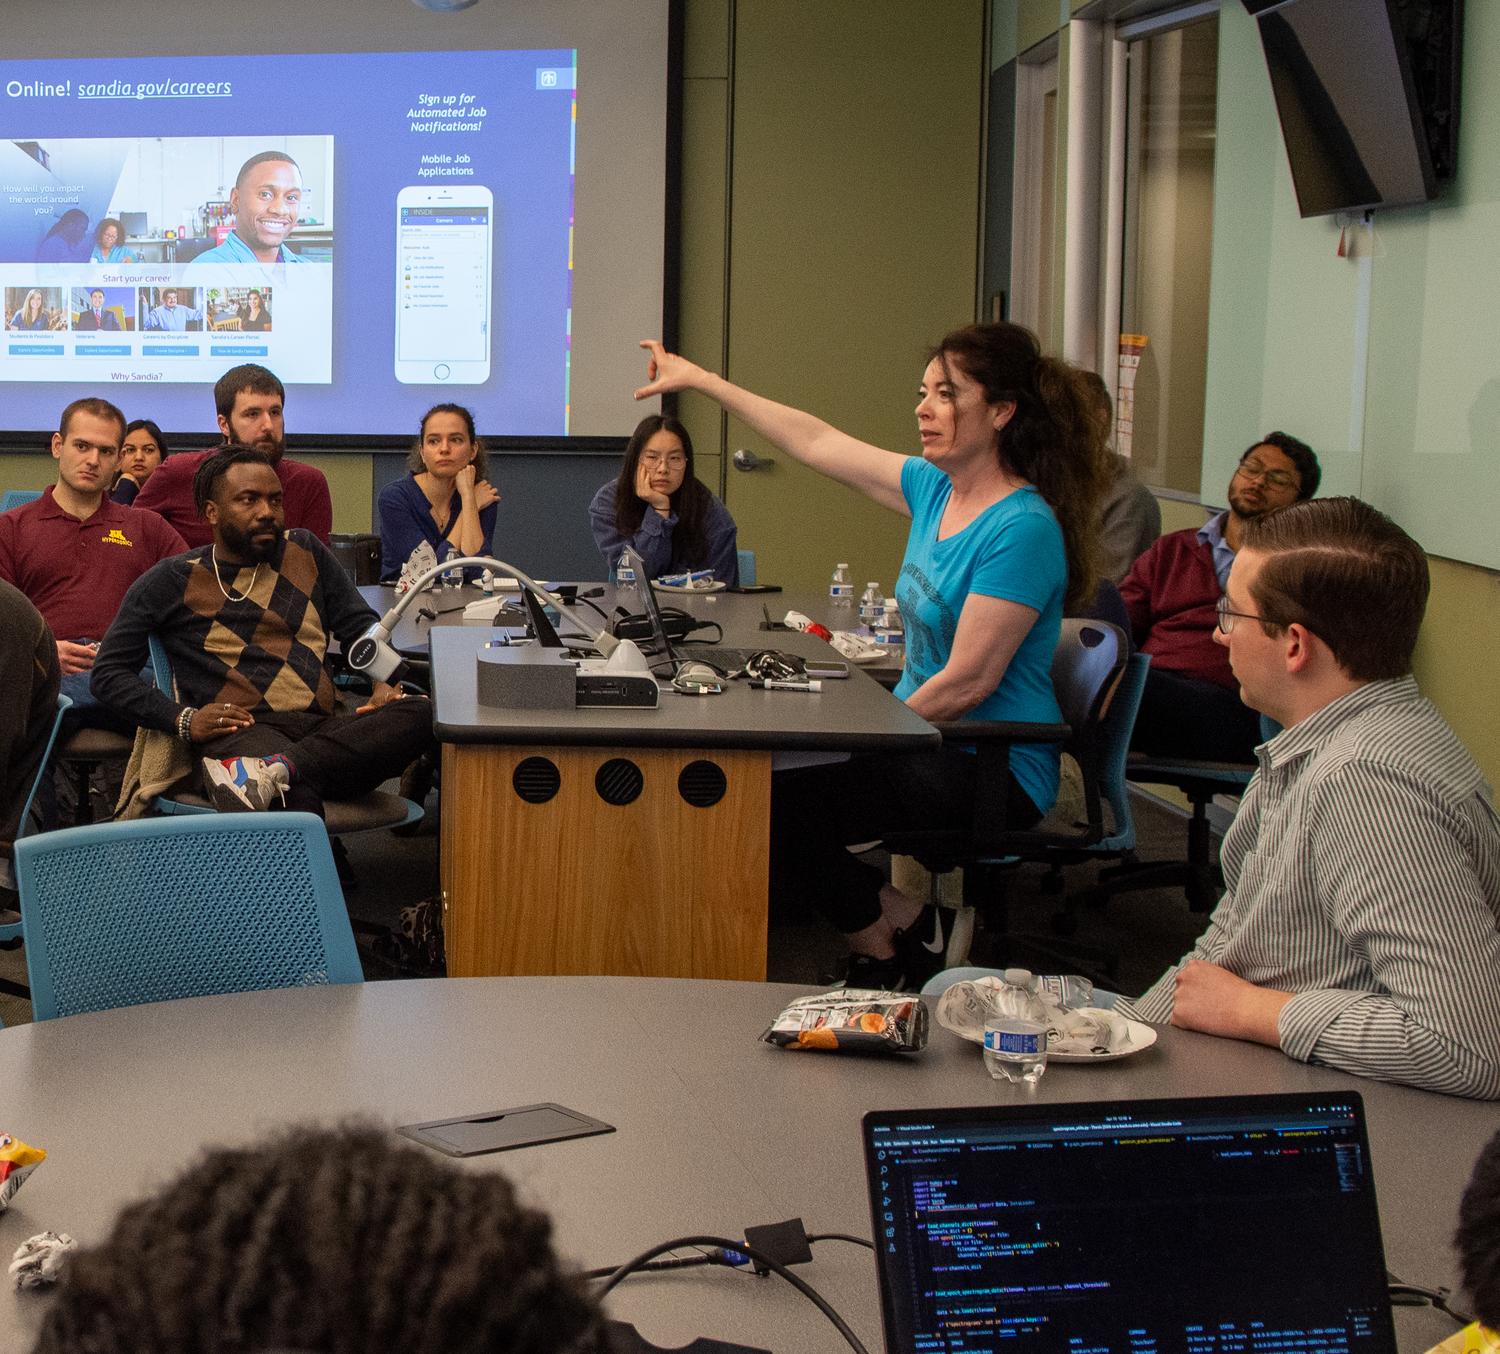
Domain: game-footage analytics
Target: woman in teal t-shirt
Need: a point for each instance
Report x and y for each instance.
(1003, 505)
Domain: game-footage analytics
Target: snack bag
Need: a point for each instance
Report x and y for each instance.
(17, 1161)
(854, 1018)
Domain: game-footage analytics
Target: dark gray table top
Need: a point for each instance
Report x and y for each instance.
(716, 1130)
(738, 613)
(851, 715)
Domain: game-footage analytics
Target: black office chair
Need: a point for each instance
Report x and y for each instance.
(82, 753)
(1087, 667)
(1198, 873)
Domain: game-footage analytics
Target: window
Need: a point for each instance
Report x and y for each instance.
(1167, 174)
(1034, 203)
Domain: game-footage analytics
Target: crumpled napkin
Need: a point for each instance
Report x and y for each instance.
(423, 558)
(858, 649)
(965, 1006)
(39, 1259)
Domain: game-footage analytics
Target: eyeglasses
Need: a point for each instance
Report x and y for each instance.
(674, 461)
(1277, 479)
(1226, 617)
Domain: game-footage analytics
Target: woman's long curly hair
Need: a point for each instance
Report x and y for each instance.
(1058, 438)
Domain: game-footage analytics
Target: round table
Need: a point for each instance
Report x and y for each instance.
(716, 1131)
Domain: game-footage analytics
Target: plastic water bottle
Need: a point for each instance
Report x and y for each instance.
(891, 629)
(1068, 990)
(1015, 1037)
(624, 572)
(840, 589)
(871, 605)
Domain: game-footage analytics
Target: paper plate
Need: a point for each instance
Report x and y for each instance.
(1138, 1036)
(715, 586)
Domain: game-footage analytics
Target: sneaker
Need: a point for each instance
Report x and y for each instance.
(864, 970)
(236, 784)
(922, 947)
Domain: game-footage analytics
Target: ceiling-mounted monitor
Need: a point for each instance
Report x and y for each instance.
(1367, 94)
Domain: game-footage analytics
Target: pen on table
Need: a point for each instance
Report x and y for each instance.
(771, 684)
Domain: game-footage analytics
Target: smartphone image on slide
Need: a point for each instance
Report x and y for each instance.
(444, 261)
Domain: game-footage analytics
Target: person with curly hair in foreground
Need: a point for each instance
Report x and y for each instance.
(326, 1241)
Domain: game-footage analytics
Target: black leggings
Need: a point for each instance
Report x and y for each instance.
(336, 756)
(818, 811)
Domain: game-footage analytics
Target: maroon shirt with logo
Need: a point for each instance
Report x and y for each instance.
(304, 496)
(76, 573)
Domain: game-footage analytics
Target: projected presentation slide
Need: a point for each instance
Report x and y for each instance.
(404, 222)
(165, 249)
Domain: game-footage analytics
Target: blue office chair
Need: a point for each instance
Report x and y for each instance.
(15, 498)
(345, 817)
(123, 913)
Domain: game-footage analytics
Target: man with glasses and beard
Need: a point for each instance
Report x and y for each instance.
(246, 621)
(1191, 706)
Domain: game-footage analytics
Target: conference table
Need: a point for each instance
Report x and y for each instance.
(715, 1130)
(625, 841)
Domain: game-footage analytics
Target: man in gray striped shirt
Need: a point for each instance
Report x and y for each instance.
(1361, 925)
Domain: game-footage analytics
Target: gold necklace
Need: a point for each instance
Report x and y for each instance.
(229, 596)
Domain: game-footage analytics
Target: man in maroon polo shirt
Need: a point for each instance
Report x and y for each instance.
(74, 552)
(250, 403)
(1191, 706)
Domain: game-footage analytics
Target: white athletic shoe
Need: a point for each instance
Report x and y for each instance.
(236, 784)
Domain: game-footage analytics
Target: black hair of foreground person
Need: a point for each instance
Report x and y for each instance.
(328, 1241)
(1478, 1236)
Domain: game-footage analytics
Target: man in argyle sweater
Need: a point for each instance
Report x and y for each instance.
(246, 621)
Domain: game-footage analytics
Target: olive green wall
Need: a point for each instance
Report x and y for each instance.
(19, 471)
(348, 481)
(850, 163)
(1456, 657)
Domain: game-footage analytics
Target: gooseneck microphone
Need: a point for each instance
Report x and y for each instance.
(373, 655)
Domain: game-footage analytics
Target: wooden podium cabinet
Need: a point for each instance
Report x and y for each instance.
(626, 842)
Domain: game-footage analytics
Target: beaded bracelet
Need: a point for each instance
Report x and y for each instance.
(184, 722)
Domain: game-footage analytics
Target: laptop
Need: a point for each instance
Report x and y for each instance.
(1175, 1226)
(717, 656)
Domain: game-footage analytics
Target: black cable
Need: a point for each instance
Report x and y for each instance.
(688, 638)
(584, 598)
(760, 1258)
(1404, 1294)
(684, 1262)
(842, 1236)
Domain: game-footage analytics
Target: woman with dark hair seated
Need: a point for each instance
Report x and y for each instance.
(446, 501)
(660, 508)
(326, 1241)
(1004, 531)
(140, 454)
